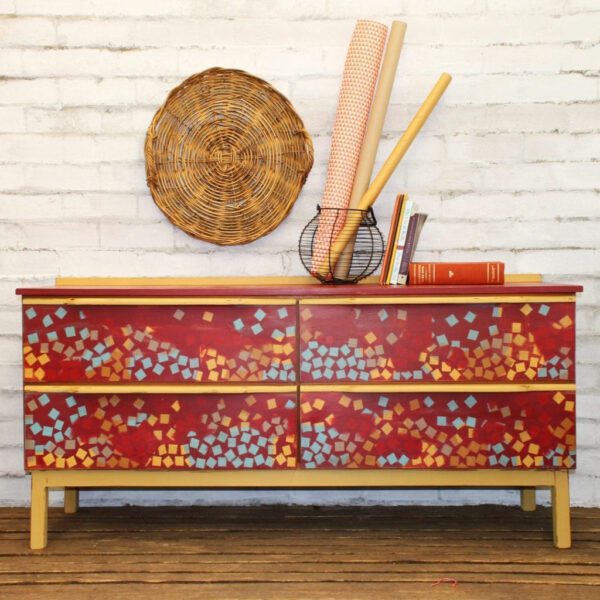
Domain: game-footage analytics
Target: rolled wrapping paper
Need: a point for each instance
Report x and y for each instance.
(368, 151)
(349, 230)
(356, 94)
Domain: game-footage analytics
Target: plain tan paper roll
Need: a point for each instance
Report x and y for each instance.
(368, 151)
(388, 167)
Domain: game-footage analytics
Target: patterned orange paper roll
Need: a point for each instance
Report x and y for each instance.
(356, 94)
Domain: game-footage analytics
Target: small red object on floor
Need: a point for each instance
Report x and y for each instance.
(451, 580)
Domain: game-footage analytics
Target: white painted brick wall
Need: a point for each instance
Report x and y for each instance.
(507, 167)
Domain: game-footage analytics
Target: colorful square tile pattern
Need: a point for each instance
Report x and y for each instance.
(137, 344)
(185, 431)
(446, 343)
(484, 430)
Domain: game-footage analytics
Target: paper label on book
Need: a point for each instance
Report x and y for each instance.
(401, 242)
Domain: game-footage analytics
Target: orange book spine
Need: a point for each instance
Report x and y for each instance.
(475, 273)
(390, 242)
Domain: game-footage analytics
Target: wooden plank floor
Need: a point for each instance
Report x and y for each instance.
(281, 552)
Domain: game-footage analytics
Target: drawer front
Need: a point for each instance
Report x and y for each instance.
(127, 431)
(444, 342)
(71, 344)
(442, 430)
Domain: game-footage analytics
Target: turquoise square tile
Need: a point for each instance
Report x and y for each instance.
(451, 320)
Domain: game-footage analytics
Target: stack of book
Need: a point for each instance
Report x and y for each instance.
(405, 229)
(398, 266)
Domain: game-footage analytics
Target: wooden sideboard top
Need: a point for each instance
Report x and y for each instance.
(299, 290)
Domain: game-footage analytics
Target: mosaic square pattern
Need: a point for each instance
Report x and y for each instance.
(523, 430)
(119, 344)
(445, 343)
(183, 431)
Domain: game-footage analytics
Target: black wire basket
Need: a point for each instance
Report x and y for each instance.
(368, 245)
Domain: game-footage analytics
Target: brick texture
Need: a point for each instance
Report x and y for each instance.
(507, 167)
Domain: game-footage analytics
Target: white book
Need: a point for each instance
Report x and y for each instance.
(401, 241)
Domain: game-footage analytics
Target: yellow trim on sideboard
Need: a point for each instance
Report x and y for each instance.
(200, 281)
(146, 300)
(508, 299)
(298, 478)
(236, 301)
(523, 278)
(347, 388)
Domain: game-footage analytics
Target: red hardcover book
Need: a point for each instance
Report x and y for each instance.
(437, 273)
(390, 241)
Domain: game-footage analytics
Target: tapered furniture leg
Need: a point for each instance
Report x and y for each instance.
(561, 512)
(71, 500)
(39, 511)
(528, 499)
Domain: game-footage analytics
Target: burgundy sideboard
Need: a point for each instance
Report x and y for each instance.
(283, 385)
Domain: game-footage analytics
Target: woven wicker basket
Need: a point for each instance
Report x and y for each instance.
(226, 156)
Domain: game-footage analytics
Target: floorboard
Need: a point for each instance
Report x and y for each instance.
(281, 552)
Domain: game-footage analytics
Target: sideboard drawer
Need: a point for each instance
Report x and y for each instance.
(439, 430)
(170, 431)
(116, 343)
(464, 343)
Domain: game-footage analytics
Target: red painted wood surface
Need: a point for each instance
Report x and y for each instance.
(439, 430)
(462, 343)
(125, 431)
(116, 344)
(439, 342)
(303, 291)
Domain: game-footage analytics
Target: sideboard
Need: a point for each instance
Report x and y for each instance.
(275, 384)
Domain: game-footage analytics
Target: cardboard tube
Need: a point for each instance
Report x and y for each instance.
(388, 167)
(368, 151)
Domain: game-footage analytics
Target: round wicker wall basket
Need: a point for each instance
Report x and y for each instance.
(226, 156)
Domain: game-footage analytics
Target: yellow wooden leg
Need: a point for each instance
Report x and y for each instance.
(71, 500)
(528, 499)
(39, 511)
(561, 512)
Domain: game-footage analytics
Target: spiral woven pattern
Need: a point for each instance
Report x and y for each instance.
(226, 156)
